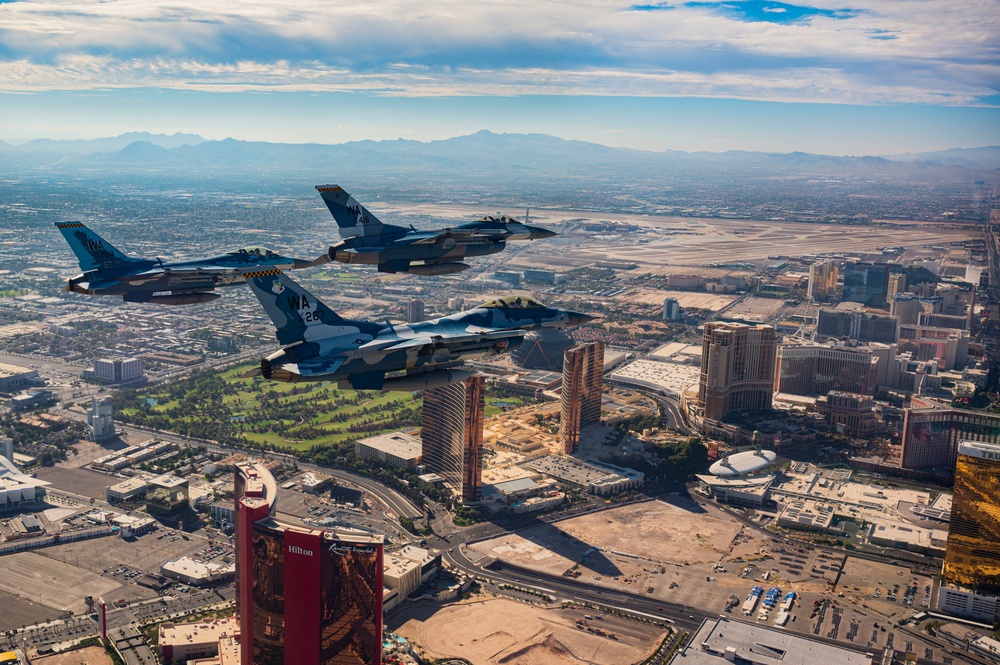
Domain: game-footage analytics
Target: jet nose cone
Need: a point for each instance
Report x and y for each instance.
(578, 318)
(538, 233)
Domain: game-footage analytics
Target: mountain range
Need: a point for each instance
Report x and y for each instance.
(483, 150)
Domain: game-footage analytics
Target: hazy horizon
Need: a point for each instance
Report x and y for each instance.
(332, 142)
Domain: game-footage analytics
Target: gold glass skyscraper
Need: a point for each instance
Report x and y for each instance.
(972, 557)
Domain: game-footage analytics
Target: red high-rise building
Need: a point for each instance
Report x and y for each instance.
(303, 596)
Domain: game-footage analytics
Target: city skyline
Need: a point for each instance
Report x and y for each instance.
(866, 78)
(893, 394)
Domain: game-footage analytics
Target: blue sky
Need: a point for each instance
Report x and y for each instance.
(866, 77)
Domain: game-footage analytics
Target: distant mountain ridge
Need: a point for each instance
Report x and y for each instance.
(110, 144)
(985, 157)
(483, 149)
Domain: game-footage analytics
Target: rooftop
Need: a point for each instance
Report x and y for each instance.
(668, 377)
(167, 480)
(14, 370)
(743, 463)
(396, 444)
(191, 569)
(201, 632)
(516, 485)
(987, 451)
(750, 643)
(129, 485)
(574, 471)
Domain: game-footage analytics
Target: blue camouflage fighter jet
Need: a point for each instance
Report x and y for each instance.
(108, 272)
(365, 239)
(322, 346)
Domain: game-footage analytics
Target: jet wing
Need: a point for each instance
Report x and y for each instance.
(420, 238)
(199, 274)
(431, 237)
(446, 339)
(139, 278)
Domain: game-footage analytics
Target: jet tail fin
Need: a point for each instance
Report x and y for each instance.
(92, 251)
(352, 217)
(293, 310)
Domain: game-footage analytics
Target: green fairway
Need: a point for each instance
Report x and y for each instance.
(238, 406)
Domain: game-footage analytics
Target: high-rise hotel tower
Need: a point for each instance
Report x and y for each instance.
(303, 596)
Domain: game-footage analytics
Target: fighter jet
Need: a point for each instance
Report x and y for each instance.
(108, 272)
(322, 346)
(405, 249)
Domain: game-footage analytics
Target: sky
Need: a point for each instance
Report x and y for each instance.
(827, 76)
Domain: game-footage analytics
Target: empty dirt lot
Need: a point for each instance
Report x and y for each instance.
(87, 656)
(679, 533)
(498, 630)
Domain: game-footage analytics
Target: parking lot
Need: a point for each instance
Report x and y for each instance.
(145, 553)
(51, 583)
(892, 591)
(83, 482)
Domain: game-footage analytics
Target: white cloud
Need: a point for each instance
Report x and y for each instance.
(937, 51)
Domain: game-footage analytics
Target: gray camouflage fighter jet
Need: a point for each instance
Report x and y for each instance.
(406, 249)
(322, 346)
(108, 272)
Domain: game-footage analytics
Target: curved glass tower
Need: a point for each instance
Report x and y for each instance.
(452, 435)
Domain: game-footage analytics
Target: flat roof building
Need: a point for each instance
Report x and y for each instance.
(860, 326)
(14, 377)
(903, 536)
(192, 571)
(314, 483)
(720, 641)
(668, 378)
(396, 450)
(127, 490)
(816, 369)
(823, 280)
(100, 418)
(866, 283)
(597, 477)
(848, 413)
(186, 641)
(18, 490)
